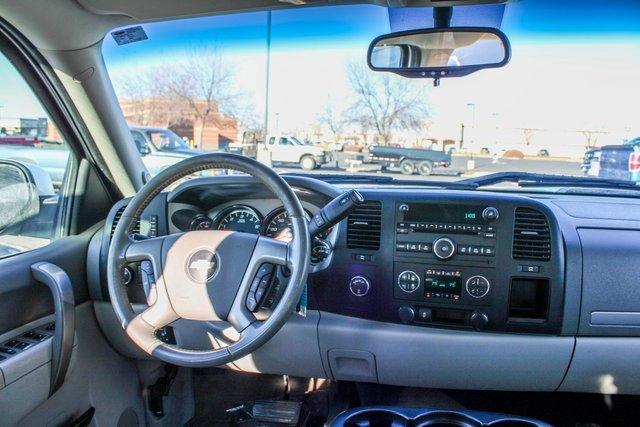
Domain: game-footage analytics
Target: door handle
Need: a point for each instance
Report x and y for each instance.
(62, 346)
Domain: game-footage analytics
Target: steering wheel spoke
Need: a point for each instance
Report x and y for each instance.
(267, 255)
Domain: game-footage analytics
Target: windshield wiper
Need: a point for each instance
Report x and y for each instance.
(385, 180)
(528, 179)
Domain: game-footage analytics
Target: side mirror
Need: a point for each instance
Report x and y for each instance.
(144, 149)
(20, 192)
(439, 52)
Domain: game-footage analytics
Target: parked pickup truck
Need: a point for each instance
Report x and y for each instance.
(619, 161)
(409, 160)
(160, 147)
(289, 149)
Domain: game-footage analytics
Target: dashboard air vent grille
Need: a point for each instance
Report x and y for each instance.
(531, 235)
(364, 226)
(116, 218)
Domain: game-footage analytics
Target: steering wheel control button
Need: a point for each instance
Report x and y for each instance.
(127, 276)
(202, 265)
(408, 281)
(478, 286)
(490, 214)
(406, 314)
(359, 286)
(444, 248)
(259, 286)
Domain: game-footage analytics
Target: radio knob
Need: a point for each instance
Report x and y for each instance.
(490, 214)
(403, 208)
(444, 248)
(359, 286)
(478, 320)
(406, 314)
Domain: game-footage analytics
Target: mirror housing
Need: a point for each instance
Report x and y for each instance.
(19, 193)
(439, 52)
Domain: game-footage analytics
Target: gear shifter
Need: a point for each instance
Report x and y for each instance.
(334, 211)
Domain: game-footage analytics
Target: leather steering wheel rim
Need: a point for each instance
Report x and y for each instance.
(166, 298)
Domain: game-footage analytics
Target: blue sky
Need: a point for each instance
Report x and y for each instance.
(575, 62)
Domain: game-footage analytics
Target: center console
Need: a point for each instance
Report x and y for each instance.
(493, 263)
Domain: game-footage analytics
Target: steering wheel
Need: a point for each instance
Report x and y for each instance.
(207, 275)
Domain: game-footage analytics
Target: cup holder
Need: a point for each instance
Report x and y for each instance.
(376, 418)
(514, 423)
(415, 417)
(445, 419)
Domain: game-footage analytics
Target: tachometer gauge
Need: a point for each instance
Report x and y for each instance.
(320, 251)
(240, 218)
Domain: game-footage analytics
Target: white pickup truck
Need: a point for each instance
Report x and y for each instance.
(289, 149)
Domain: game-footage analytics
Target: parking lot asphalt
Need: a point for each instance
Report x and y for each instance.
(457, 170)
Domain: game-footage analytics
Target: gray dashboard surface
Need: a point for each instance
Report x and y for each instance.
(429, 357)
(610, 280)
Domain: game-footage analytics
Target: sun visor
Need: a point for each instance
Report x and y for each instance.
(402, 19)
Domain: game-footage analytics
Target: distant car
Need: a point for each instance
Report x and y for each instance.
(543, 153)
(586, 159)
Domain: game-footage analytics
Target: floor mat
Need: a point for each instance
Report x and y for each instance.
(217, 390)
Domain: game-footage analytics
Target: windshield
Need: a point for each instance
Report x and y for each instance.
(261, 83)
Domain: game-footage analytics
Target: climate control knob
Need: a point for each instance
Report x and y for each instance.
(444, 248)
(359, 286)
(406, 314)
(478, 320)
(478, 286)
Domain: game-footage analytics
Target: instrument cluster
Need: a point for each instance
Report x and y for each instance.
(246, 219)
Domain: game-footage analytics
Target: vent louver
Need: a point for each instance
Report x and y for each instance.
(364, 226)
(531, 235)
(116, 218)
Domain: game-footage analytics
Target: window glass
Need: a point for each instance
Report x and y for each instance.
(33, 162)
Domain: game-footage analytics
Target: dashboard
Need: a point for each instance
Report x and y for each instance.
(429, 287)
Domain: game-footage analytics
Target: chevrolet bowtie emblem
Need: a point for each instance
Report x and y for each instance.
(202, 265)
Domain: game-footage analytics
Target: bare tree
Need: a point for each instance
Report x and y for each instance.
(334, 120)
(387, 102)
(204, 82)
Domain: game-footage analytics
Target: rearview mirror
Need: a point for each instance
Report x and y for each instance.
(439, 52)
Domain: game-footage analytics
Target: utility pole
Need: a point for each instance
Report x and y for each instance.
(266, 97)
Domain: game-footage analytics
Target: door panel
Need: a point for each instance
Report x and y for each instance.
(98, 376)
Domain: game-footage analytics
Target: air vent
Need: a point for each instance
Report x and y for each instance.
(531, 235)
(117, 217)
(364, 226)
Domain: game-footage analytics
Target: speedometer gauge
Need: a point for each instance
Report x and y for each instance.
(240, 218)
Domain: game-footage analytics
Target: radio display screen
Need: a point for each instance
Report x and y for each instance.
(445, 213)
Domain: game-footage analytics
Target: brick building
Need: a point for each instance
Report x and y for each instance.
(219, 130)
